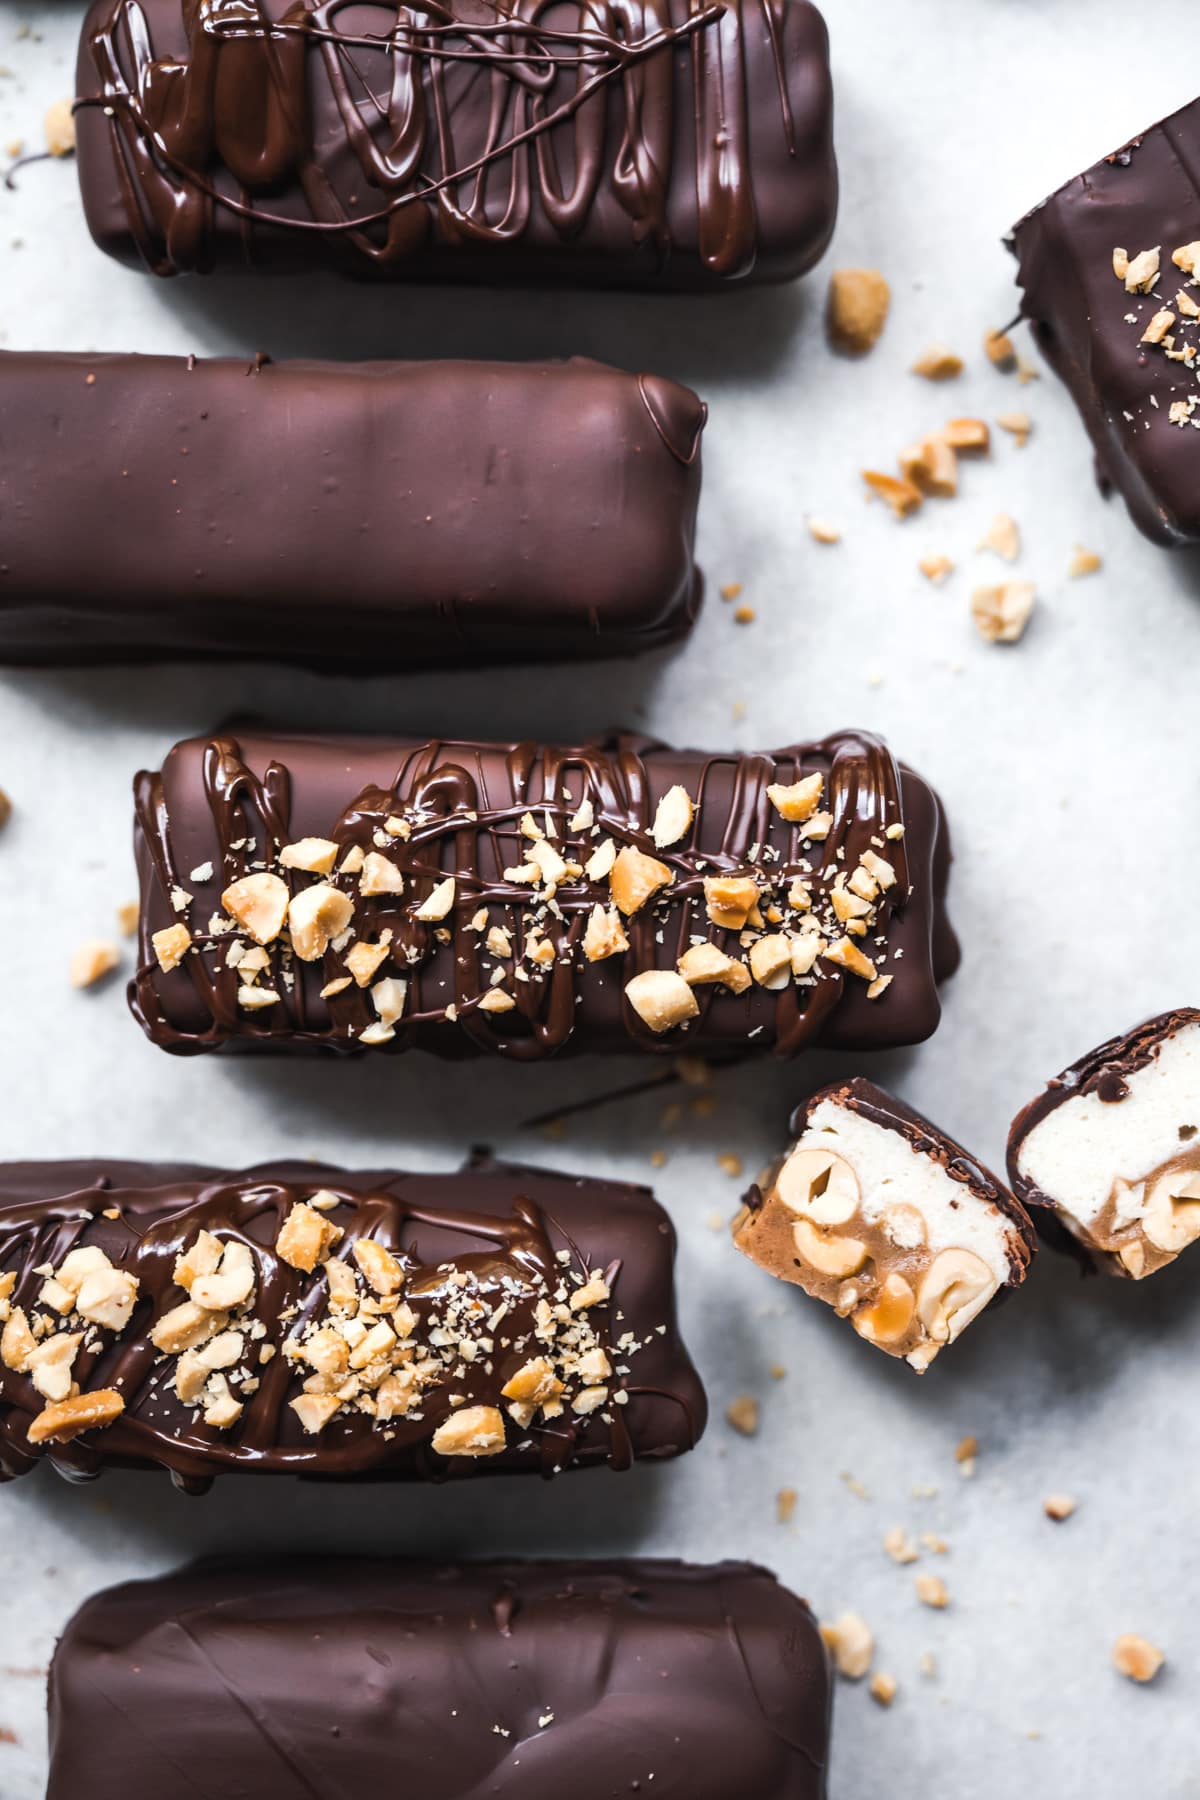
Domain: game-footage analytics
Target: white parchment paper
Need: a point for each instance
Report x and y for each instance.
(1069, 769)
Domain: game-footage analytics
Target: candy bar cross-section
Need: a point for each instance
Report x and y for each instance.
(347, 515)
(664, 144)
(302, 1320)
(518, 1681)
(1110, 266)
(375, 894)
(1108, 1157)
(888, 1220)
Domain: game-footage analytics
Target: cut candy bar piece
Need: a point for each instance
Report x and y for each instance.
(1108, 268)
(295, 1319)
(1108, 1157)
(375, 894)
(888, 1220)
(519, 1680)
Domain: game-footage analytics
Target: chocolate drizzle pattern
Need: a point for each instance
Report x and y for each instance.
(224, 807)
(387, 127)
(498, 1232)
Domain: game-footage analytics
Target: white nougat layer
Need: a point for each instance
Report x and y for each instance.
(890, 1173)
(1085, 1145)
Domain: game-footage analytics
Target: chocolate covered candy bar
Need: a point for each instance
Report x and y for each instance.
(670, 144)
(301, 1320)
(376, 894)
(1109, 267)
(521, 1681)
(1108, 1157)
(343, 514)
(888, 1220)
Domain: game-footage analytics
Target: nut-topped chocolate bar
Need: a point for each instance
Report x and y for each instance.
(666, 144)
(1110, 268)
(375, 895)
(301, 1320)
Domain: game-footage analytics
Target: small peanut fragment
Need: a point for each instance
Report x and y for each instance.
(636, 878)
(798, 800)
(65, 1419)
(661, 998)
(1136, 1657)
(315, 916)
(938, 364)
(857, 309)
(472, 1431)
(93, 961)
(849, 1641)
(742, 1414)
(259, 903)
(170, 946)
(312, 855)
(904, 497)
(605, 935)
(673, 817)
(1002, 613)
(305, 1237)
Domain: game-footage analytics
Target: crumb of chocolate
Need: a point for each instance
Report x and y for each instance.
(883, 1688)
(999, 349)
(904, 497)
(1059, 1507)
(1002, 536)
(1083, 562)
(824, 531)
(857, 309)
(931, 1591)
(1002, 613)
(936, 569)
(785, 1504)
(742, 1414)
(731, 590)
(850, 1643)
(1135, 1657)
(59, 127)
(93, 961)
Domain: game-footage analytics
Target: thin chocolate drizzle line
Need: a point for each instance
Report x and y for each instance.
(147, 1241)
(165, 130)
(448, 796)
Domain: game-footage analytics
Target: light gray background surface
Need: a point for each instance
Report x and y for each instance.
(1069, 769)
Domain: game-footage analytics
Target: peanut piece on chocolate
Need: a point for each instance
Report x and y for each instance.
(472, 1431)
(315, 916)
(662, 999)
(259, 903)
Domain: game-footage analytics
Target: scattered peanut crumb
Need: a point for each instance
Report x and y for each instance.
(824, 531)
(999, 349)
(883, 1688)
(855, 1485)
(857, 309)
(967, 434)
(1002, 613)
(938, 364)
(745, 615)
(1083, 562)
(14, 147)
(93, 961)
(928, 1664)
(715, 1221)
(936, 568)
(931, 1591)
(849, 1642)
(900, 1546)
(731, 590)
(1058, 1506)
(658, 1160)
(1136, 1657)
(1002, 536)
(777, 1371)
(1017, 424)
(785, 1505)
(730, 1164)
(904, 497)
(59, 126)
(742, 1414)
(966, 1450)
(127, 918)
(1026, 372)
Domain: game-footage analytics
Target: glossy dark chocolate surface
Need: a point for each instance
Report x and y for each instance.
(515, 1681)
(365, 515)
(1090, 329)
(500, 1226)
(655, 145)
(224, 805)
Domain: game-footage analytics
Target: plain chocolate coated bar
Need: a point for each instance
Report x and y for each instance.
(299, 1319)
(379, 894)
(668, 144)
(1109, 265)
(357, 515)
(521, 1681)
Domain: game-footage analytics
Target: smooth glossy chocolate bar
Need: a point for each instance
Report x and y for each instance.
(519, 1681)
(670, 144)
(305, 1320)
(347, 515)
(888, 1220)
(1107, 1158)
(378, 894)
(1110, 266)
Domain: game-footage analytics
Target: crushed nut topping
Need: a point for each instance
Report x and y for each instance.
(1136, 1657)
(857, 309)
(938, 364)
(851, 1645)
(1002, 613)
(93, 961)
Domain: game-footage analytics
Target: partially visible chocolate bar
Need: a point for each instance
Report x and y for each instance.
(347, 515)
(377, 894)
(295, 1319)
(671, 144)
(1108, 1157)
(1110, 268)
(523, 1681)
(888, 1220)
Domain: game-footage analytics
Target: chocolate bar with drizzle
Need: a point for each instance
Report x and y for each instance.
(377, 894)
(295, 1319)
(665, 144)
